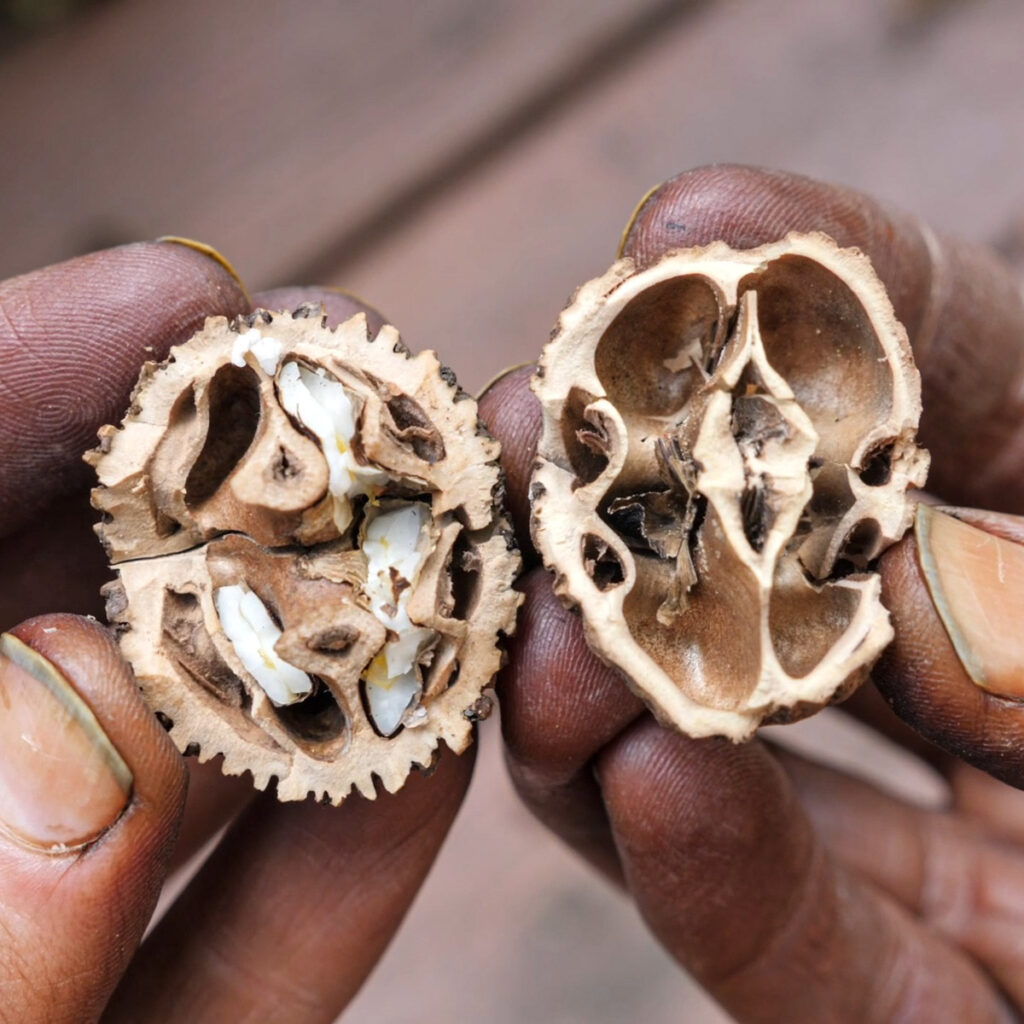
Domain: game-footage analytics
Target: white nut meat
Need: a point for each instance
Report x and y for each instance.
(314, 568)
(728, 440)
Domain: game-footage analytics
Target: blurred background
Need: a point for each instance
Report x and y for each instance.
(463, 165)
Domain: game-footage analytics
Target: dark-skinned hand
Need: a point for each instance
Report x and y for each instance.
(790, 890)
(297, 902)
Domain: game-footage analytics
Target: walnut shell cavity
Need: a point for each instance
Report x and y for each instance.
(314, 569)
(727, 445)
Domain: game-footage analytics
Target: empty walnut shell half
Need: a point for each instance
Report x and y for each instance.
(314, 567)
(728, 440)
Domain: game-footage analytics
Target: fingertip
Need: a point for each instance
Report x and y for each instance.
(91, 795)
(508, 371)
(745, 207)
(183, 270)
(660, 786)
(956, 639)
(705, 828)
(85, 653)
(73, 337)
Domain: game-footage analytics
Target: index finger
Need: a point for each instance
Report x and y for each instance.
(72, 339)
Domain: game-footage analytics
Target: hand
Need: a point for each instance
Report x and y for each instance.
(297, 902)
(791, 891)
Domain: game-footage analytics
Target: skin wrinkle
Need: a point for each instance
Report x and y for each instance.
(802, 905)
(943, 897)
(561, 704)
(900, 992)
(393, 849)
(23, 980)
(235, 973)
(93, 320)
(7, 389)
(950, 871)
(869, 833)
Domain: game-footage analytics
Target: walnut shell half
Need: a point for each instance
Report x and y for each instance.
(728, 439)
(314, 568)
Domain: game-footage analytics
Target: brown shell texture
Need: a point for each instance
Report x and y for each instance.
(728, 440)
(218, 497)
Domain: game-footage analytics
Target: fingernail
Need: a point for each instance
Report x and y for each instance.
(501, 375)
(976, 582)
(210, 253)
(62, 783)
(633, 216)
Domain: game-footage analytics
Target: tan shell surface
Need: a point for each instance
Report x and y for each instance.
(209, 482)
(727, 445)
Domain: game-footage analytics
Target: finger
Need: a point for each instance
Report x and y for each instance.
(338, 305)
(955, 671)
(728, 874)
(511, 412)
(72, 339)
(293, 909)
(962, 308)
(559, 706)
(54, 564)
(84, 768)
(550, 757)
(939, 866)
(214, 799)
(994, 806)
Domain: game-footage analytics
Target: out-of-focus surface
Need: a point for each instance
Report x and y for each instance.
(463, 166)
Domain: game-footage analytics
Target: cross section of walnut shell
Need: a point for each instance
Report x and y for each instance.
(728, 440)
(314, 569)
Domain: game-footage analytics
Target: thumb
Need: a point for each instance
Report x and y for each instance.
(91, 794)
(955, 671)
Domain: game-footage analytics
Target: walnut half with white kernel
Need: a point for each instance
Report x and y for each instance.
(314, 568)
(727, 445)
